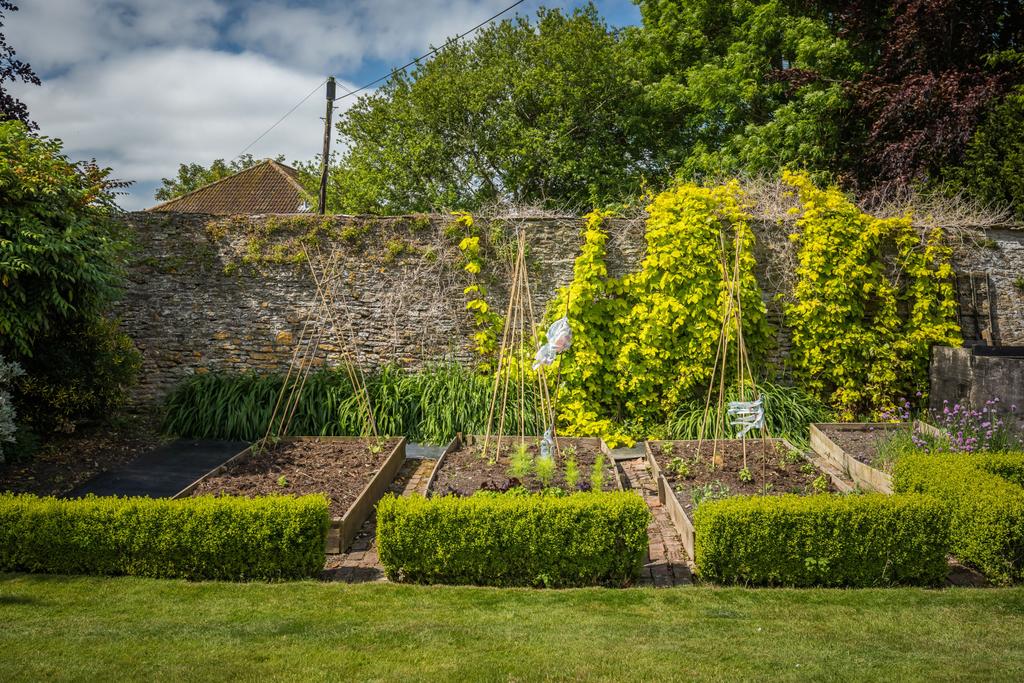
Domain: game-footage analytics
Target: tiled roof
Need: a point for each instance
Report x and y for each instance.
(267, 187)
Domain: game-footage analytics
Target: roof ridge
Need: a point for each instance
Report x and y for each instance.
(265, 162)
(280, 168)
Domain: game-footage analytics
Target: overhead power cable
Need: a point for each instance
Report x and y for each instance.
(433, 51)
(278, 122)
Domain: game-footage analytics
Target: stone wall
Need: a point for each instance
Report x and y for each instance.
(966, 377)
(209, 293)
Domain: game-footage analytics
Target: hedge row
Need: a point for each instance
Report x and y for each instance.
(825, 540)
(274, 537)
(583, 539)
(985, 497)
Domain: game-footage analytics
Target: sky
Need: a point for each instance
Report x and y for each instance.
(144, 85)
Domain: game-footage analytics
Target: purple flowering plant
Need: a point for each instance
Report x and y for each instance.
(992, 428)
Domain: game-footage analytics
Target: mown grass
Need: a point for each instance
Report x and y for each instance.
(67, 628)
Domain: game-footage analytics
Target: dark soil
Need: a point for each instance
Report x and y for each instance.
(63, 461)
(338, 469)
(783, 472)
(862, 442)
(464, 472)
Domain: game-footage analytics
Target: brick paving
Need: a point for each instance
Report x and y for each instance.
(360, 563)
(667, 563)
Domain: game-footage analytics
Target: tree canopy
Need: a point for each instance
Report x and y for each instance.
(560, 110)
(544, 111)
(13, 69)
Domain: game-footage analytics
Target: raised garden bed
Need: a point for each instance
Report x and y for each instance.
(853, 447)
(461, 471)
(785, 470)
(352, 472)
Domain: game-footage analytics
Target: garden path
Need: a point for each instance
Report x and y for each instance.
(667, 563)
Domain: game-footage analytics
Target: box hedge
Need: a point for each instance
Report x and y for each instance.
(582, 539)
(824, 540)
(985, 497)
(273, 537)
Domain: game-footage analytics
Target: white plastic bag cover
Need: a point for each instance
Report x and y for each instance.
(546, 444)
(747, 415)
(559, 339)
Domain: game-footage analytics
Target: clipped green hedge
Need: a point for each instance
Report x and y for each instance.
(985, 496)
(583, 539)
(824, 540)
(272, 537)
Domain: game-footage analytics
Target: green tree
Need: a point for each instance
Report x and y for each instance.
(62, 256)
(542, 111)
(193, 176)
(754, 86)
(993, 168)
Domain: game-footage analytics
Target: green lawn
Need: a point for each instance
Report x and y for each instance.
(125, 629)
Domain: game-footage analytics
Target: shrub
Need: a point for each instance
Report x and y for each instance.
(62, 256)
(8, 371)
(81, 370)
(825, 540)
(985, 496)
(582, 539)
(272, 537)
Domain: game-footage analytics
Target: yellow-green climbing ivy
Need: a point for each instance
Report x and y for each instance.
(852, 343)
(488, 324)
(588, 397)
(645, 343)
(677, 298)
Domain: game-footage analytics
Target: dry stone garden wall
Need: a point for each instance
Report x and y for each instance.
(209, 293)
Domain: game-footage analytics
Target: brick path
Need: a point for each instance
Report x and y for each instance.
(667, 563)
(360, 563)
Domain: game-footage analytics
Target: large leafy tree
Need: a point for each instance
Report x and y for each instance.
(751, 85)
(13, 69)
(542, 111)
(192, 176)
(939, 67)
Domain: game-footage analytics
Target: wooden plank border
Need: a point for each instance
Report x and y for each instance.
(864, 475)
(680, 519)
(343, 529)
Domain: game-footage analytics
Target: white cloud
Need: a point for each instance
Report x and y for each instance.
(345, 34)
(146, 112)
(52, 34)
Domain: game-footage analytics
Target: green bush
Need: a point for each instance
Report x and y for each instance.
(82, 370)
(985, 497)
(825, 540)
(582, 539)
(274, 537)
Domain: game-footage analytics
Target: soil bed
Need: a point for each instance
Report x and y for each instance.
(463, 472)
(861, 442)
(64, 461)
(783, 471)
(339, 469)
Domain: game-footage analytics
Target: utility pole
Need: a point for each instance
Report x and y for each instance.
(327, 146)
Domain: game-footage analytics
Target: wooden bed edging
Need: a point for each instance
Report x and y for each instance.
(864, 475)
(343, 529)
(468, 439)
(681, 520)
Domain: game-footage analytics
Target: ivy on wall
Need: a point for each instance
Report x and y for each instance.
(863, 323)
(487, 323)
(645, 343)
